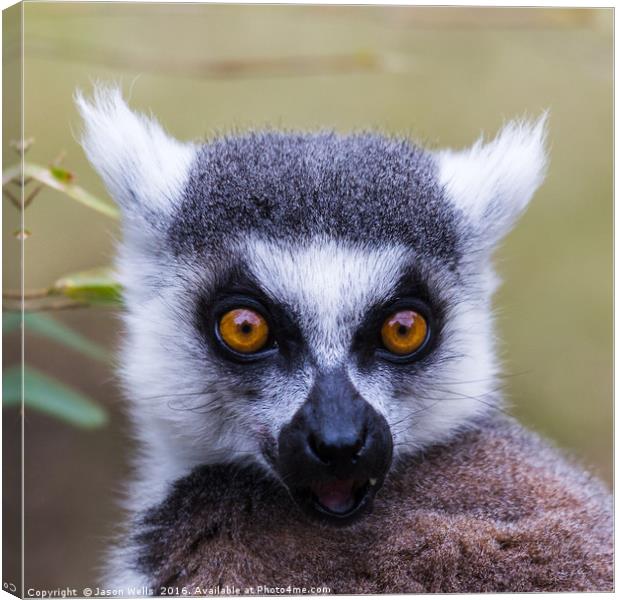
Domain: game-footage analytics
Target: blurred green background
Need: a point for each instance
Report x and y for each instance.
(441, 75)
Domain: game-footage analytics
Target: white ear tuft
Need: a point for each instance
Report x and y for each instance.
(492, 183)
(143, 168)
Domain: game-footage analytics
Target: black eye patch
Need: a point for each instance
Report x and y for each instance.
(411, 293)
(237, 288)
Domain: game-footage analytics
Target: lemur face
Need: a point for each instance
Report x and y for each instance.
(317, 304)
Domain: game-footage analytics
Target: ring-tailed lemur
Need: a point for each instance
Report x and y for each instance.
(315, 308)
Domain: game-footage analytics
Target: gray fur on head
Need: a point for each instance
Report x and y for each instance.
(326, 226)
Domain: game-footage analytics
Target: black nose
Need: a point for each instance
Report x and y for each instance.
(341, 449)
(335, 451)
(335, 422)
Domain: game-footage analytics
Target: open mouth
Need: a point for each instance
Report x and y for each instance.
(338, 500)
(338, 496)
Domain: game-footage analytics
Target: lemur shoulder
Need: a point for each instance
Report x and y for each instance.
(310, 366)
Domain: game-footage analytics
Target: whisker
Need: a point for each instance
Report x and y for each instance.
(172, 395)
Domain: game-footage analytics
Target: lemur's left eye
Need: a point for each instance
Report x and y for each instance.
(404, 332)
(244, 330)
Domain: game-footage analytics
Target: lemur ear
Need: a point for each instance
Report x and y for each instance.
(143, 167)
(492, 183)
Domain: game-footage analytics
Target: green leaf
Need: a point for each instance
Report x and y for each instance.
(56, 178)
(52, 397)
(49, 327)
(95, 286)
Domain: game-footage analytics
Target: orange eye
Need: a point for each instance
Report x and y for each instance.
(244, 330)
(404, 332)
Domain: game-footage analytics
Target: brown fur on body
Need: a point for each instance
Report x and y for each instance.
(494, 510)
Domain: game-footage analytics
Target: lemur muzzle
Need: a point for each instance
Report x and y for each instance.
(335, 452)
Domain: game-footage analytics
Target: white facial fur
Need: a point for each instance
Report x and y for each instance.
(329, 284)
(185, 411)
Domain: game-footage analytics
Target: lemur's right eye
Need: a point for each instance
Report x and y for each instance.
(243, 330)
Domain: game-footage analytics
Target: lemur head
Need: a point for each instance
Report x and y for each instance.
(313, 303)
